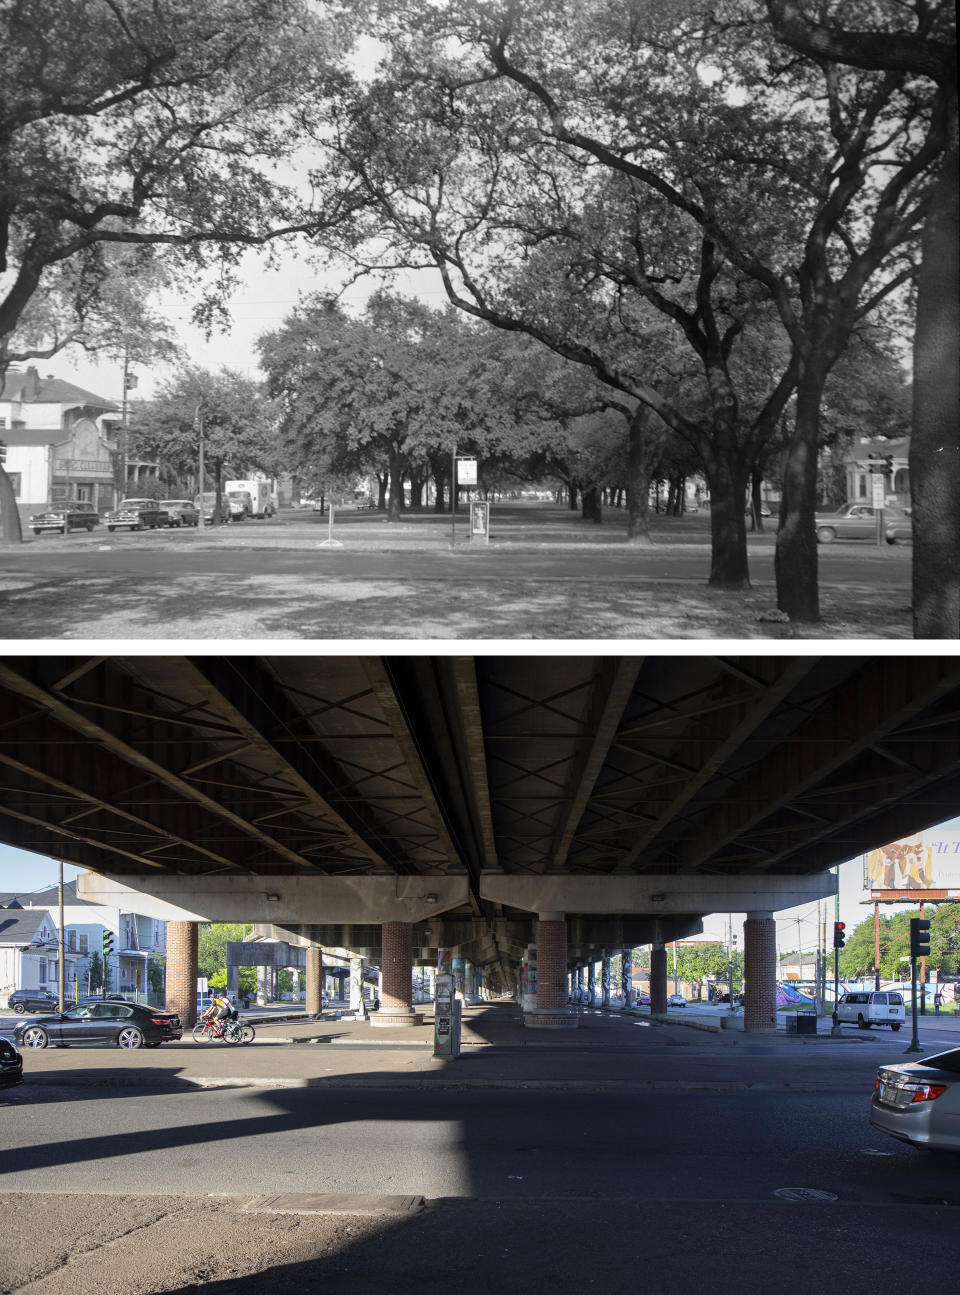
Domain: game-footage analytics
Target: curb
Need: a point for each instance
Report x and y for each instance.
(185, 1084)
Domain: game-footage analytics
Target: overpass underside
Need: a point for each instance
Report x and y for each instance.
(470, 800)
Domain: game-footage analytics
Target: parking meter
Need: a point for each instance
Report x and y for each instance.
(446, 1018)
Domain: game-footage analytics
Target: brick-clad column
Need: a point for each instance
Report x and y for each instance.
(626, 978)
(658, 980)
(552, 1011)
(313, 981)
(182, 971)
(396, 977)
(760, 973)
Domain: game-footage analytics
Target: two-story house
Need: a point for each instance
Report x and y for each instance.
(30, 950)
(138, 942)
(64, 442)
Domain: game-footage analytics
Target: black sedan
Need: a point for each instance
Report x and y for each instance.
(127, 1025)
(11, 1065)
(33, 1000)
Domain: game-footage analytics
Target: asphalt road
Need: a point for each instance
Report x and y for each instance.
(110, 1186)
(508, 1146)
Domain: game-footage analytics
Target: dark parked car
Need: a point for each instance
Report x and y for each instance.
(11, 1065)
(128, 1025)
(33, 1000)
(182, 512)
(75, 515)
(138, 515)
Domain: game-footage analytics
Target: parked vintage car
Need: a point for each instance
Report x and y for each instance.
(74, 515)
(182, 512)
(137, 515)
(857, 522)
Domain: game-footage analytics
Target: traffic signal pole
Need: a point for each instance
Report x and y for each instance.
(919, 948)
(839, 940)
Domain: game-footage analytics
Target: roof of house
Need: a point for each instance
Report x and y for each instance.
(20, 926)
(33, 389)
(49, 898)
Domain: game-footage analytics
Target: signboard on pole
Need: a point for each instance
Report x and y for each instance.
(878, 485)
(467, 472)
(927, 862)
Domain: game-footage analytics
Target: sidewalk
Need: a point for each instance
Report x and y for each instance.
(608, 1052)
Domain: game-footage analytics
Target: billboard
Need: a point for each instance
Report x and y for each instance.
(927, 860)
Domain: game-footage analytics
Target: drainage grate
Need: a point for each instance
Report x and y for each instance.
(334, 1203)
(804, 1194)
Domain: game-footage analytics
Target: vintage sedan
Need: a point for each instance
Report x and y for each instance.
(126, 1025)
(74, 515)
(182, 512)
(919, 1101)
(857, 522)
(137, 515)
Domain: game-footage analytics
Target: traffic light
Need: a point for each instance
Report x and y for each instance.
(3, 451)
(107, 943)
(839, 934)
(888, 464)
(919, 937)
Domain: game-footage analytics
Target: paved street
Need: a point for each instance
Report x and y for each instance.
(546, 574)
(623, 1153)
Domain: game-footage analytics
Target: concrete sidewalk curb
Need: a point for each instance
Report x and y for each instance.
(423, 1084)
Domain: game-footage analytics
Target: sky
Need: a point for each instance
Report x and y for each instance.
(22, 872)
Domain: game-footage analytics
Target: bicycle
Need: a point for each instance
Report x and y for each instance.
(225, 1032)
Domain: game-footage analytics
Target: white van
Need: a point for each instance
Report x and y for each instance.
(866, 1007)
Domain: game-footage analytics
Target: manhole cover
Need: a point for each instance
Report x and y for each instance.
(803, 1194)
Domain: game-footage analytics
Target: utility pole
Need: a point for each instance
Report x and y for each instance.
(61, 973)
(198, 418)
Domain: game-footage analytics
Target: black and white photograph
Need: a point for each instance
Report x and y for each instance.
(479, 684)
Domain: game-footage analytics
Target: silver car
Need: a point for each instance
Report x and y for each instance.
(919, 1101)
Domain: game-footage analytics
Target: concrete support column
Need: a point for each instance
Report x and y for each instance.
(356, 986)
(295, 984)
(261, 986)
(233, 981)
(760, 973)
(396, 977)
(458, 974)
(658, 980)
(552, 1010)
(314, 981)
(591, 981)
(605, 978)
(181, 995)
(578, 993)
(626, 977)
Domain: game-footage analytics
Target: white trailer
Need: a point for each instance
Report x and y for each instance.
(261, 496)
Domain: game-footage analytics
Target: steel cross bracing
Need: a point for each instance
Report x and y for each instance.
(595, 765)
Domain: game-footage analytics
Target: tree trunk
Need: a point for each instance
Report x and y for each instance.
(756, 515)
(796, 552)
(396, 490)
(638, 477)
(729, 568)
(935, 443)
(382, 479)
(11, 532)
(574, 490)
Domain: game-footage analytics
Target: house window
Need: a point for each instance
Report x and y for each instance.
(83, 944)
(72, 941)
(43, 971)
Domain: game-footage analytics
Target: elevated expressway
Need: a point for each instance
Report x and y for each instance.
(489, 805)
